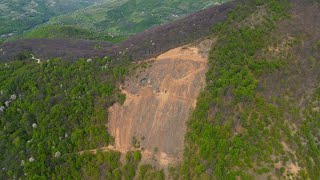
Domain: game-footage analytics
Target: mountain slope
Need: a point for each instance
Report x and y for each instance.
(158, 102)
(74, 32)
(127, 17)
(257, 116)
(17, 16)
(147, 44)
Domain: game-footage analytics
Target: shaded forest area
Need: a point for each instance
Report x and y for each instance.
(143, 45)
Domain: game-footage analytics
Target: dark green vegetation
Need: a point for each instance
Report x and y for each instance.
(147, 172)
(53, 118)
(19, 15)
(74, 32)
(249, 121)
(104, 165)
(54, 109)
(127, 17)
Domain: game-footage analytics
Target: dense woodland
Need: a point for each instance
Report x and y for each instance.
(235, 130)
(53, 113)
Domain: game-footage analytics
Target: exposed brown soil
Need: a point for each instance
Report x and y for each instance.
(158, 103)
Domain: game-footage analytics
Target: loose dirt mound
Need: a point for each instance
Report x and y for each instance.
(158, 104)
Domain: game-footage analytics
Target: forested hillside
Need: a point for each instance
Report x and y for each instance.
(52, 112)
(71, 32)
(126, 17)
(258, 116)
(142, 45)
(20, 15)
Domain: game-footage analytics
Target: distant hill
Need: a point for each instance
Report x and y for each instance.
(127, 17)
(20, 15)
(146, 44)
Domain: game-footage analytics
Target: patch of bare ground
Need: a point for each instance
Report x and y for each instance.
(158, 103)
(290, 167)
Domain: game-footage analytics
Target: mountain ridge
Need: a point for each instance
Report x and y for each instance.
(127, 17)
(142, 45)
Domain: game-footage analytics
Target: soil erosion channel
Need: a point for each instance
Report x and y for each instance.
(158, 103)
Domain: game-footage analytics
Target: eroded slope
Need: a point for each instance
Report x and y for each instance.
(158, 103)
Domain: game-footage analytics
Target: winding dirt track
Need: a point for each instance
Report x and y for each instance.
(158, 104)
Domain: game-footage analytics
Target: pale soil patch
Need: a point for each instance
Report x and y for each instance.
(293, 169)
(282, 47)
(290, 167)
